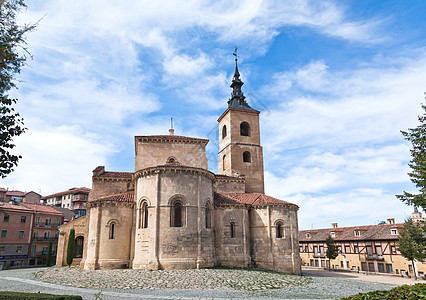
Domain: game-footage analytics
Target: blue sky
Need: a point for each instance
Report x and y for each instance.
(335, 81)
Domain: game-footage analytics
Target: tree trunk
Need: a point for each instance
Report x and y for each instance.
(414, 269)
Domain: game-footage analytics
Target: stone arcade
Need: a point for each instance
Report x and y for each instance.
(173, 213)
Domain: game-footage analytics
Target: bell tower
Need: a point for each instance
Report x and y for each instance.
(240, 152)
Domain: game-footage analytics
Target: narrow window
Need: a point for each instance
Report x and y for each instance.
(177, 215)
(208, 216)
(112, 231)
(224, 162)
(144, 215)
(23, 219)
(21, 234)
(279, 230)
(246, 156)
(224, 131)
(232, 230)
(78, 252)
(4, 233)
(245, 129)
(6, 218)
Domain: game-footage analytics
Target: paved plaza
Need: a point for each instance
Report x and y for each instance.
(194, 284)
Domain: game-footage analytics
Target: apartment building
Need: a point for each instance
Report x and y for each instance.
(25, 232)
(74, 199)
(371, 248)
(15, 235)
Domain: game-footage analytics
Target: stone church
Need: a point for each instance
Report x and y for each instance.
(173, 213)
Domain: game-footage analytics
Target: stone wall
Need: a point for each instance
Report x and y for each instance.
(80, 228)
(152, 154)
(229, 185)
(106, 250)
(105, 186)
(163, 246)
(232, 251)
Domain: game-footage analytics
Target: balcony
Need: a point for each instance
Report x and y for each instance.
(375, 257)
(45, 239)
(44, 225)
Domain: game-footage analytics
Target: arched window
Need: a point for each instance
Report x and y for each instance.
(208, 215)
(143, 215)
(171, 160)
(279, 230)
(246, 156)
(224, 131)
(232, 228)
(112, 229)
(224, 162)
(245, 129)
(79, 242)
(177, 214)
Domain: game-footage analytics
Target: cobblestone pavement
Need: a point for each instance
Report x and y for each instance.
(188, 284)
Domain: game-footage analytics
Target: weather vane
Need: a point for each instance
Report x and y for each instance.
(235, 53)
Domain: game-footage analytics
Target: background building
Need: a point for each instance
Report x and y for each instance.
(74, 199)
(371, 248)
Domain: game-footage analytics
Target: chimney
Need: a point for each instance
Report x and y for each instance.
(391, 221)
(98, 170)
(334, 225)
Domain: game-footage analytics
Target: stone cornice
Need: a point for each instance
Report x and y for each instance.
(97, 203)
(173, 169)
(256, 112)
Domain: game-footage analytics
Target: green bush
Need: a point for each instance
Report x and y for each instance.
(409, 292)
(35, 296)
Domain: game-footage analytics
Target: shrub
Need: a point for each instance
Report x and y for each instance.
(409, 292)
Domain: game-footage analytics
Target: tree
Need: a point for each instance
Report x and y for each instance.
(12, 58)
(49, 254)
(411, 243)
(331, 250)
(71, 246)
(417, 137)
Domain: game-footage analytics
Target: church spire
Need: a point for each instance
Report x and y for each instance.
(237, 96)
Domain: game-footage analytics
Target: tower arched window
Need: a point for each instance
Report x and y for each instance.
(224, 162)
(246, 156)
(177, 214)
(279, 230)
(245, 129)
(224, 133)
(232, 229)
(208, 212)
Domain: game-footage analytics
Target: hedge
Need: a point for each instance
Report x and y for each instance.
(36, 296)
(408, 292)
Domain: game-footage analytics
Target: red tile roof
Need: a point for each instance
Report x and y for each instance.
(254, 199)
(124, 197)
(42, 209)
(220, 176)
(115, 174)
(72, 191)
(368, 232)
(17, 207)
(15, 193)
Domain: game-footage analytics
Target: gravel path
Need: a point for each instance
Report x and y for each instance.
(188, 284)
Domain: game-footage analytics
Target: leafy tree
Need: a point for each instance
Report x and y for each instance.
(331, 250)
(12, 58)
(417, 137)
(70, 248)
(412, 243)
(49, 254)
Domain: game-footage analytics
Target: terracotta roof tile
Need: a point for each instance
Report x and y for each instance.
(15, 193)
(8, 206)
(115, 174)
(43, 209)
(72, 191)
(368, 232)
(124, 197)
(247, 199)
